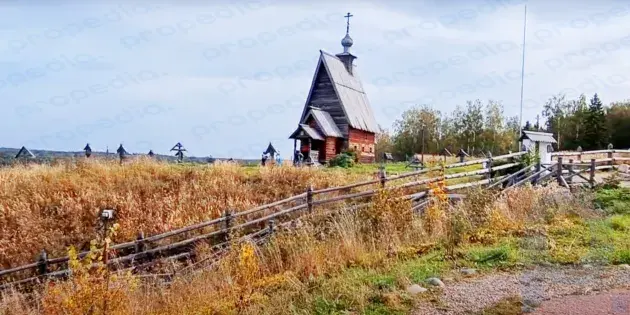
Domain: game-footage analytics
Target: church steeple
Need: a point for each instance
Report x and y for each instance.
(346, 57)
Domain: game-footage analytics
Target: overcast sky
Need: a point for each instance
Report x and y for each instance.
(226, 78)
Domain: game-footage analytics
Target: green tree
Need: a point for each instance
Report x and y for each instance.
(556, 112)
(595, 135)
(409, 130)
(618, 124)
(384, 144)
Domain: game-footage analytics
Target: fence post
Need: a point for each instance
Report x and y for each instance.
(489, 166)
(610, 156)
(42, 267)
(309, 198)
(592, 177)
(570, 167)
(559, 171)
(537, 169)
(382, 175)
(228, 224)
(140, 245)
(271, 226)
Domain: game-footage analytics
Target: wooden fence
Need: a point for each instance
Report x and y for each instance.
(258, 223)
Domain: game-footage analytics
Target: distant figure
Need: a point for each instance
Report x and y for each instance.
(297, 158)
(264, 159)
(278, 160)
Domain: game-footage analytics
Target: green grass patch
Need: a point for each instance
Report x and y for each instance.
(495, 256)
(619, 223)
(621, 256)
(614, 200)
(381, 290)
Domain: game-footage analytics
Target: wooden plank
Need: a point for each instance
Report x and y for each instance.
(344, 197)
(499, 182)
(18, 269)
(526, 179)
(273, 204)
(581, 153)
(466, 185)
(331, 189)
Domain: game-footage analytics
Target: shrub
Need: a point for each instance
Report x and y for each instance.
(619, 223)
(613, 201)
(344, 160)
(388, 214)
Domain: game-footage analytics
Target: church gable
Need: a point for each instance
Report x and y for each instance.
(324, 97)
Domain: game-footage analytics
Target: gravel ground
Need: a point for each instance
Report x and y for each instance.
(534, 286)
(616, 302)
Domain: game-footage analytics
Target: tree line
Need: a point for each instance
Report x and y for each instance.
(586, 123)
(479, 128)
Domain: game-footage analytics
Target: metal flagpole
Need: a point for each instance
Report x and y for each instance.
(520, 122)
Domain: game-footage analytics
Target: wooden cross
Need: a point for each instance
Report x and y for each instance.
(348, 16)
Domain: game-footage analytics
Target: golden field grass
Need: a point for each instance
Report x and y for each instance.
(357, 263)
(53, 207)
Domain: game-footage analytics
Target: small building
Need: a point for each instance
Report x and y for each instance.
(271, 152)
(337, 115)
(25, 153)
(540, 142)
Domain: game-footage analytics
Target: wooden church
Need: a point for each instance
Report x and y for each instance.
(337, 115)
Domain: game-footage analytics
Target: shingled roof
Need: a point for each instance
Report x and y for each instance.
(349, 90)
(537, 136)
(325, 122)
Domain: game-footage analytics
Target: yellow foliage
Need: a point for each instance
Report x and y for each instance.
(91, 288)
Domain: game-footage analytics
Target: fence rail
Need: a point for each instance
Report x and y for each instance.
(142, 252)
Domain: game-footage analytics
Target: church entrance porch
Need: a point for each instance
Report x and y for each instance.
(311, 143)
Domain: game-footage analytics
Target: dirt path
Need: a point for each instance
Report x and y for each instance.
(549, 288)
(616, 302)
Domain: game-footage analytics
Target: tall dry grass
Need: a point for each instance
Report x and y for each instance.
(285, 275)
(53, 207)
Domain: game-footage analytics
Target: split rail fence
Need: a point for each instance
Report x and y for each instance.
(257, 224)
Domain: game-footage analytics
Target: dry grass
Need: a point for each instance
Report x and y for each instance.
(52, 207)
(344, 261)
